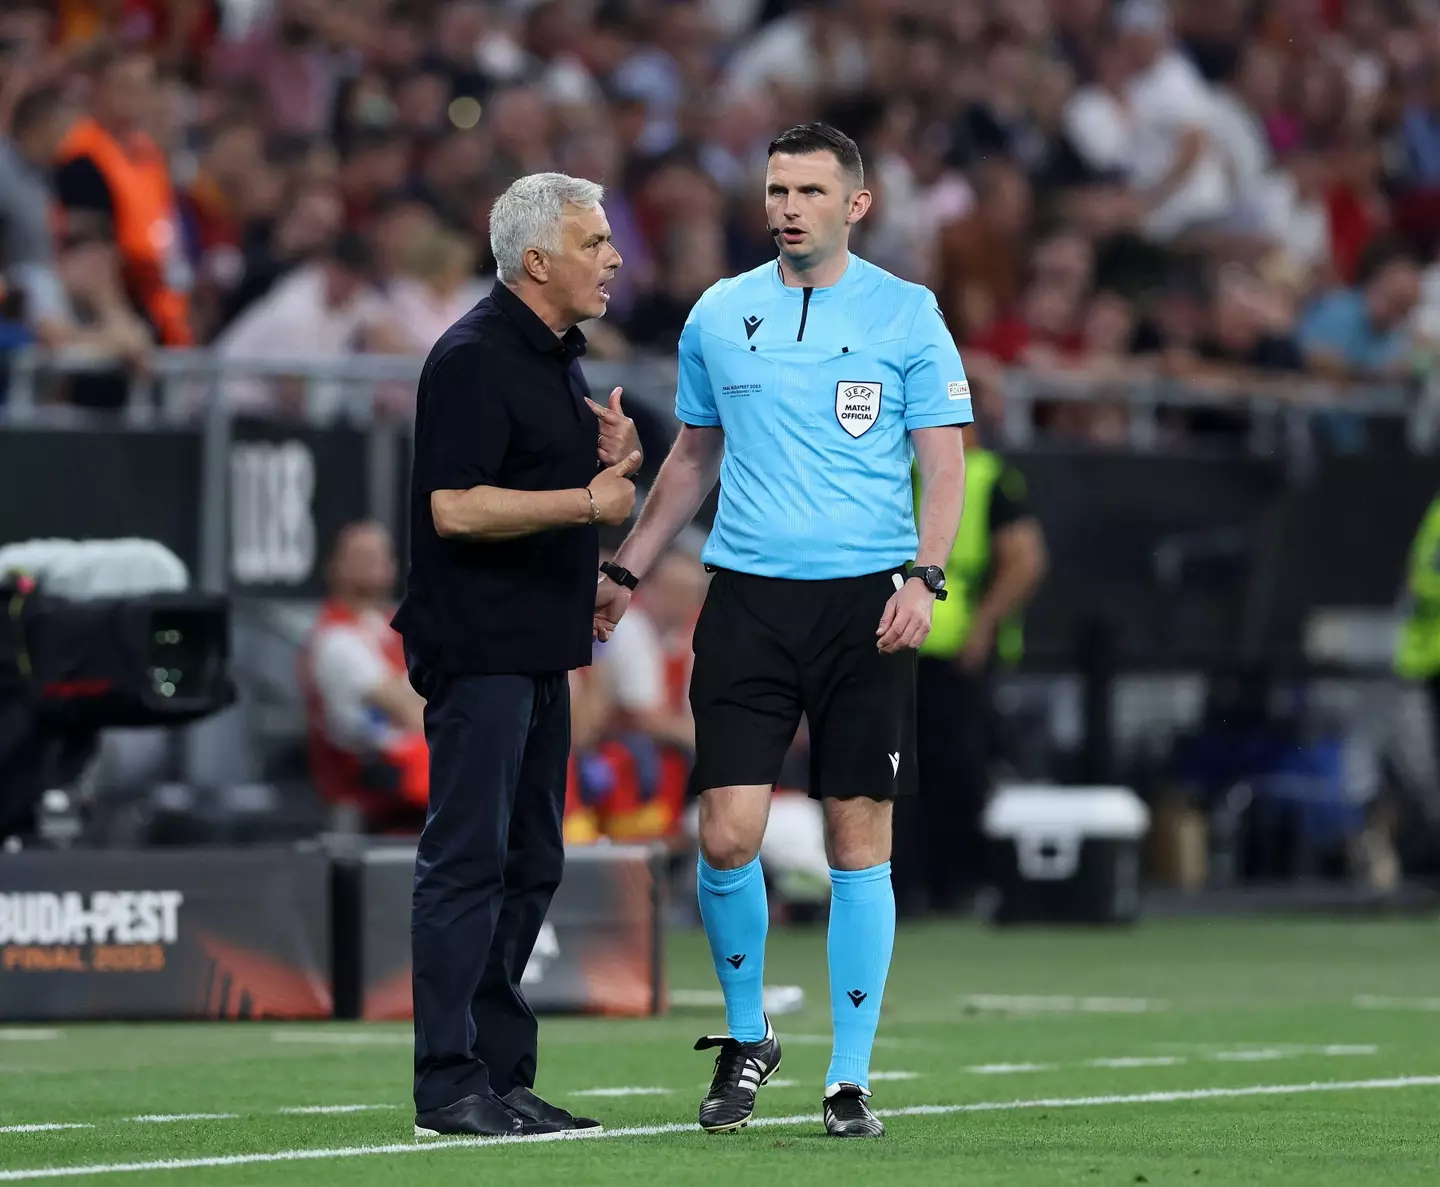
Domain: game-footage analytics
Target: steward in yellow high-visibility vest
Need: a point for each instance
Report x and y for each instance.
(1417, 653)
(995, 499)
(993, 570)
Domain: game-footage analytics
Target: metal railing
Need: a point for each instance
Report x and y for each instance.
(183, 386)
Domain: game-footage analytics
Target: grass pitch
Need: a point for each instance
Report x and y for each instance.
(1196, 1052)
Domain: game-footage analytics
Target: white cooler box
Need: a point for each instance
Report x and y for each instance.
(1066, 854)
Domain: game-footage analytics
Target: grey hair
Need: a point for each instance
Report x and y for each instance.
(528, 215)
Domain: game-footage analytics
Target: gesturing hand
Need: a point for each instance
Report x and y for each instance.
(906, 620)
(613, 492)
(618, 436)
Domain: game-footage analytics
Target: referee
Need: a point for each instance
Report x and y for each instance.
(807, 386)
(504, 500)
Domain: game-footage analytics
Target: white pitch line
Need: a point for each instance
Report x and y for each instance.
(1136, 1061)
(1005, 1069)
(783, 1084)
(1369, 1002)
(894, 1075)
(28, 1034)
(351, 1038)
(623, 1092)
(646, 1131)
(44, 1128)
(1261, 1056)
(1350, 1049)
(1035, 1003)
(306, 1110)
(165, 1118)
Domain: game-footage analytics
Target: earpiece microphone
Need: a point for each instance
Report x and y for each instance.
(775, 232)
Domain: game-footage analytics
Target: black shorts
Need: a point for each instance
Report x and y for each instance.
(768, 650)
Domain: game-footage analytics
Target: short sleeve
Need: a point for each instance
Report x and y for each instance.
(694, 398)
(1009, 501)
(466, 426)
(936, 390)
(79, 185)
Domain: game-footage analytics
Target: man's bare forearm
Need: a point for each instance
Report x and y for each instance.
(492, 513)
(688, 475)
(941, 456)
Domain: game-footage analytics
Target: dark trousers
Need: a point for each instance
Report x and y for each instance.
(490, 857)
(938, 858)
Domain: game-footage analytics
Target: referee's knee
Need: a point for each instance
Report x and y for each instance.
(857, 832)
(732, 825)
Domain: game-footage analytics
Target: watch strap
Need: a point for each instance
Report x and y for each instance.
(619, 574)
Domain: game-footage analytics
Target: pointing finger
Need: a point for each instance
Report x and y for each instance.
(615, 401)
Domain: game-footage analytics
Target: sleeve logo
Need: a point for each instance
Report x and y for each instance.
(959, 389)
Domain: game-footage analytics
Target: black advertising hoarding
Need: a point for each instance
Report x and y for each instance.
(291, 489)
(164, 934)
(1193, 561)
(102, 485)
(600, 950)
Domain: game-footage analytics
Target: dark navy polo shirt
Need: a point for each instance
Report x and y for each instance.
(501, 402)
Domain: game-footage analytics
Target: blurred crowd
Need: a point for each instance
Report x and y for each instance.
(1231, 193)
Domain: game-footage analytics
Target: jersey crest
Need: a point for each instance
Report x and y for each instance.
(857, 405)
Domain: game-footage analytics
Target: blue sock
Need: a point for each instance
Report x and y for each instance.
(861, 938)
(737, 917)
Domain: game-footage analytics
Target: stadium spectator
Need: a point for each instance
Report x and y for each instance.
(1175, 164)
(285, 56)
(39, 123)
(365, 722)
(1362, 332)
(273, 247)
(112, 179)
(437, 285)
(323, 311)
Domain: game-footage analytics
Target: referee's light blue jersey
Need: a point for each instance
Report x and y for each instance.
(817, 391)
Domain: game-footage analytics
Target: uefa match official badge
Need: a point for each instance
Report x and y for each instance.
(857, 405)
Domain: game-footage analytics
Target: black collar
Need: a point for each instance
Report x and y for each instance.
(536, 332)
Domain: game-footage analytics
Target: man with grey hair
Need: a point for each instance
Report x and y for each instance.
(505, 500)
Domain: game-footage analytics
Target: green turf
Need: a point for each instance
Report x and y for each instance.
(1227, 1005)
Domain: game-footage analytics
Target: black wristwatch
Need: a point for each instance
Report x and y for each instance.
(934, 578)
(619, 574)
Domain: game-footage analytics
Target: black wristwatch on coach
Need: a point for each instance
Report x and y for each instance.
(934, 578)
(619, 574)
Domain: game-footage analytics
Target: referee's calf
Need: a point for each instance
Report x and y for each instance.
(505, 499)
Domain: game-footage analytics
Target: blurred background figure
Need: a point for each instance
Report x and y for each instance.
(113, 180)
(366, 724)
(994, 569)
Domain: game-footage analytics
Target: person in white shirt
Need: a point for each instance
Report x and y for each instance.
(325, 310)
(366, 722)
(438, 287)
(1174, 162)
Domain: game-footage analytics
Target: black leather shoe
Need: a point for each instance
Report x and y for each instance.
(848, 1115)
(480, 1116)
(532, 1108)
